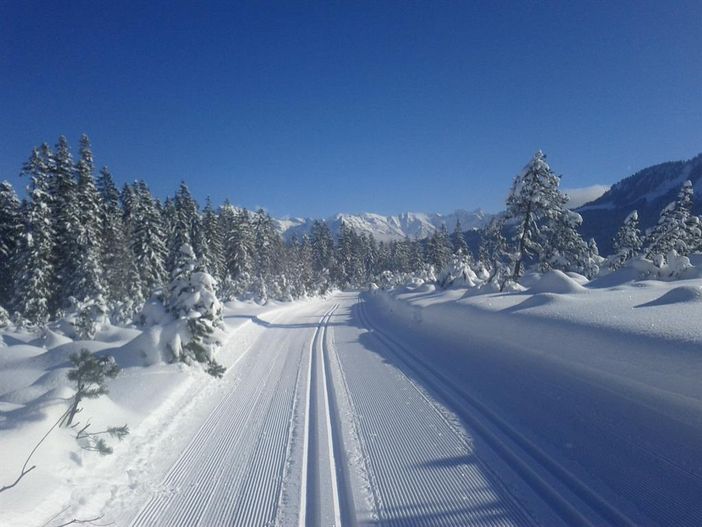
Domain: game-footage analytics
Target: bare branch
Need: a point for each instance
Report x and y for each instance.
(26, 470)
(89, 521)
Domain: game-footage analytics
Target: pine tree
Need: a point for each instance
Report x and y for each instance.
(239, 250)
(66, 220)
(627, 243)
(533, 204)
(192, 300)
(323, 246)
(184, 226)
(416, 257)
(35, 272)
(677, 228)
(439, 248)
(265, 244)
(268, 248)
(350, 260)
(459, 241)
(495, 257)
(563, 248)
(86, 283)
(10, 234)
(147, 239)
(115, 258)
(213, 258)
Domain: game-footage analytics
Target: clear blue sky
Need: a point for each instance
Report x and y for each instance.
(309, 108)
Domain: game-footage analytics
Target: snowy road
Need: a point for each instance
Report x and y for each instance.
(339, 415)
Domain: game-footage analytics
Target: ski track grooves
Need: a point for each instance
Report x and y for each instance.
(323, 454)
(536, 468)
(231, 472)
(409, 491)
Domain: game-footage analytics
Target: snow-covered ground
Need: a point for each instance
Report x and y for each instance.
(595, 388)
(568, 403)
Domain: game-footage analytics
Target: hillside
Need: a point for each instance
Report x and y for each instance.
(647, 191)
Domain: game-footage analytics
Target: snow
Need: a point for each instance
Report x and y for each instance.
(415, 225)
(162, 400)
(604, 381)
(561, 402)
(557, 282)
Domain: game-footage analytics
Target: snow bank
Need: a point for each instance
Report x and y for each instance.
(684, 294)
(635, 331)
(556, 282)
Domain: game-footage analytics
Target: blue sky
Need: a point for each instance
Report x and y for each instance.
(310, 108)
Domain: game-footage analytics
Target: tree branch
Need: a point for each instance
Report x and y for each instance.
(26, 470)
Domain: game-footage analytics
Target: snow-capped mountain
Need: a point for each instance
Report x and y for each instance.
(415, 225)
(647, 191)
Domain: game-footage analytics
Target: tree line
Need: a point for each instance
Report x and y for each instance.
(78, 244)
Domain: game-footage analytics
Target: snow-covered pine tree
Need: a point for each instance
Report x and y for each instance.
(349, 259)
(305, 265)
(563, 248)
(439, 248)
(495, 258)
(627, 243)
(192, 300)
(399, 256)
(34, 282)
(239, 250)
(66, 221)
(115, 258)
(533, 203)
(323, 251)
(459, 241)
(10, 233)
(86, 283)
(213, 258)
(147, 239)
(185, 227)
(267, 251)
(677, 229)
(369, 255)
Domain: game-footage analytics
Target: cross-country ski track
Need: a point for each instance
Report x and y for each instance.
(335, 415)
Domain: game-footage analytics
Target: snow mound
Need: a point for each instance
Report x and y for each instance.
(683, 294)
(51, 339)
(556, 282)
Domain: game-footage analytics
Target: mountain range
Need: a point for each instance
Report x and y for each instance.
(647, 191)
(415, 225)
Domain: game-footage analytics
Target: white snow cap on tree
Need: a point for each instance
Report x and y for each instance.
(192, 299)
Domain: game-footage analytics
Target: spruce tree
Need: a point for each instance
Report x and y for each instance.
(459, 241)
(147, 239)
(533, 204)
(677, 229)
(10, 233)
(191, 299)
(627, 243)
(213, 258)
(563, 248)
(115, 258)
(495, 258)
(439, 248)
(35, 282)
(66, 221)
(239, 250)
(86, 283)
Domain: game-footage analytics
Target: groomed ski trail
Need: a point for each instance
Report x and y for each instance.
(422, 468)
